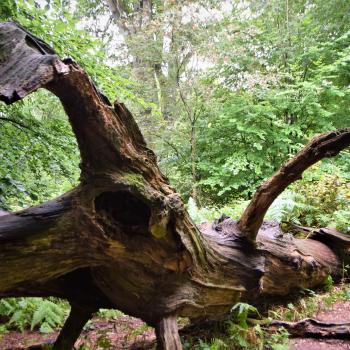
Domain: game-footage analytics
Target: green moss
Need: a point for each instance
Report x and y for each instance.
(135, 180)
(158, 231)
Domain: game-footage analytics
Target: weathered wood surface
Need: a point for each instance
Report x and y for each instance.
(122, 239)
(311, 328)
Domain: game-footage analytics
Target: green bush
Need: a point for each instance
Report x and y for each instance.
(321, 199)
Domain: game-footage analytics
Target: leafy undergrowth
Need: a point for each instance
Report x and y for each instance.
(114, 332)
(298, 205)
(32, 313)
(245, 328)
(248, 329)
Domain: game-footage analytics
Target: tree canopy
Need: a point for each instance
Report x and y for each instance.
(221, 90)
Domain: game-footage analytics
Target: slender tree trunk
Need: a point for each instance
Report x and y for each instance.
(158, 81)
(193, 143)
(123, 238)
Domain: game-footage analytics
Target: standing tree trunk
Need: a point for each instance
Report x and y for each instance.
(122, 239)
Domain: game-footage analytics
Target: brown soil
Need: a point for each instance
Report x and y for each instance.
(117, 333)
(339, 312)
(128, 333)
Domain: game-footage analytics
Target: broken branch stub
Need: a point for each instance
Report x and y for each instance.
(26, 63)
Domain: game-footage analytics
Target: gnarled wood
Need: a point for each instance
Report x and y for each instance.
(122, 238)
(322, 146)
(22, 57)
(167, 334)
(311, 328)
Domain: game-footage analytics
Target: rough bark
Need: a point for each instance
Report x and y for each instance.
(122, 239)
(168, 334)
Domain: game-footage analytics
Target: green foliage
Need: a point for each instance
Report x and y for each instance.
(271, 88)
(109, 313)
(240, 312)
(262, 99)
(57, 23)
(39, 158)
(239, 334)
(200, 215)
(238, 328)
(103, 341)
(23, 313)
(299, 205)
(310, 303)
(278, 340)
(328, 283)
(214, 344)
(330, 207)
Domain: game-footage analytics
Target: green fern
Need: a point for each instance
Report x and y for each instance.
(49, 315)
(29, 313)
(282, 207)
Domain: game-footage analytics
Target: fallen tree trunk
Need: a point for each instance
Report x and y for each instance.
(122, 239)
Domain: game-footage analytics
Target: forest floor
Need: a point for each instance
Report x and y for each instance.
(117, 333)
(339, 312)
(128, 333)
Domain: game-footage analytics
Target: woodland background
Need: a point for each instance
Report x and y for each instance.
(224, 92)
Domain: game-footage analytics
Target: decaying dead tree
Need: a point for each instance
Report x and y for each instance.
(122, 239)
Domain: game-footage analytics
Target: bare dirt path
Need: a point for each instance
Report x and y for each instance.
(117, 333)
(338, 312)
(128, 333)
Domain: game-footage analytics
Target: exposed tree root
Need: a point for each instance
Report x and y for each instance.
(311, 328)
